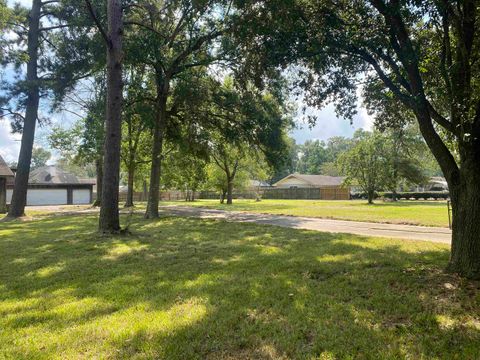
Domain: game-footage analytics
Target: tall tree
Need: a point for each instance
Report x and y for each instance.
(172, 38)
(31, 91)
(424, 55)
(33, 50)
(366, 163)
(109, 221)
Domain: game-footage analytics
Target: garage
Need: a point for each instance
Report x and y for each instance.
(81, 196)
(50, 185)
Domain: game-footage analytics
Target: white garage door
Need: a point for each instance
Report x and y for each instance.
(46, 196)
(81, 196)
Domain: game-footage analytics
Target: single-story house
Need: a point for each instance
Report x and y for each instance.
(304, 186)
(308, 181)
(50, 185)
(258, 184)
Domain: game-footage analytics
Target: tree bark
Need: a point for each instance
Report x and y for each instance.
(19, 196)
(223, 195)
(230, 192)
(155, 172)
(131, 176)
(99, 170)
(145, 190)
(109, 221)
(465, 198)
(371, 196)
(3, 195)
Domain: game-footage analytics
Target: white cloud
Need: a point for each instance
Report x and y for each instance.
(9, 143)
(328, 125)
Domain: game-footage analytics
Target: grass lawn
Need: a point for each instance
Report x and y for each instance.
(428, 213)
(183, 288)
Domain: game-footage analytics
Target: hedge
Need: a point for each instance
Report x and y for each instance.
(425, 195)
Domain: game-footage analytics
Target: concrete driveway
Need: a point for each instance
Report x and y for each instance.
(410, 232)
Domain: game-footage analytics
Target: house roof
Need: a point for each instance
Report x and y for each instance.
(316, 180)
(259, 183)
(4, 169)
(51, 175)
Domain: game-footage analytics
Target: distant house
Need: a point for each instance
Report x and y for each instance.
(308, 181)
(6, 176)
(435, 183)
(256, 184)
(301, 186)
(50, 185)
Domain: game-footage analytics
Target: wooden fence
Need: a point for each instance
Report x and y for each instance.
(139, 196)
(323, 193)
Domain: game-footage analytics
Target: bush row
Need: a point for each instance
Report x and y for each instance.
(425, 195)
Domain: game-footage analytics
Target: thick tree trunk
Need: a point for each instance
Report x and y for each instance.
(371, 196)
(3, 195)
(230, 192)
(465, 197)
(19, 196)
(131, 176)
(155, 172)
(99, 170)
(109, 221)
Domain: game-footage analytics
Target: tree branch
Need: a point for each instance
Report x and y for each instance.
(97, 23)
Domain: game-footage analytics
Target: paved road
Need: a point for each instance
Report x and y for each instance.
(410, 232)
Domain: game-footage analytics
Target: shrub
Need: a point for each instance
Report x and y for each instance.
(425, 195)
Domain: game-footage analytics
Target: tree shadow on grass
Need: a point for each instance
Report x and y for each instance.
(189, 288)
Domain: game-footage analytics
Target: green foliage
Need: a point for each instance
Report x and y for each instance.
(184, 171)
(366, 163)
(313, 155)
(40, 156)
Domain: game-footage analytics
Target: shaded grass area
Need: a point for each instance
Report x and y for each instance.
(428, 213)
(184, 288)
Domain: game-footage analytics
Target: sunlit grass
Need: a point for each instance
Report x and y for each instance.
(201, 289)
(428, 213)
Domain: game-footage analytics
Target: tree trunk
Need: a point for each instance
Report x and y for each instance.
(223, 195)
(3, 195)
(145, 190)
(230, 192)
(109, 221)
(131, 176)
(99, 170)
(394, 195)
(371, 196)
(465, 198)
(19, 196)
(155, 172)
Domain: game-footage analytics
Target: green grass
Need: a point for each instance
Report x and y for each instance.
(428, 213)
(184, 288)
